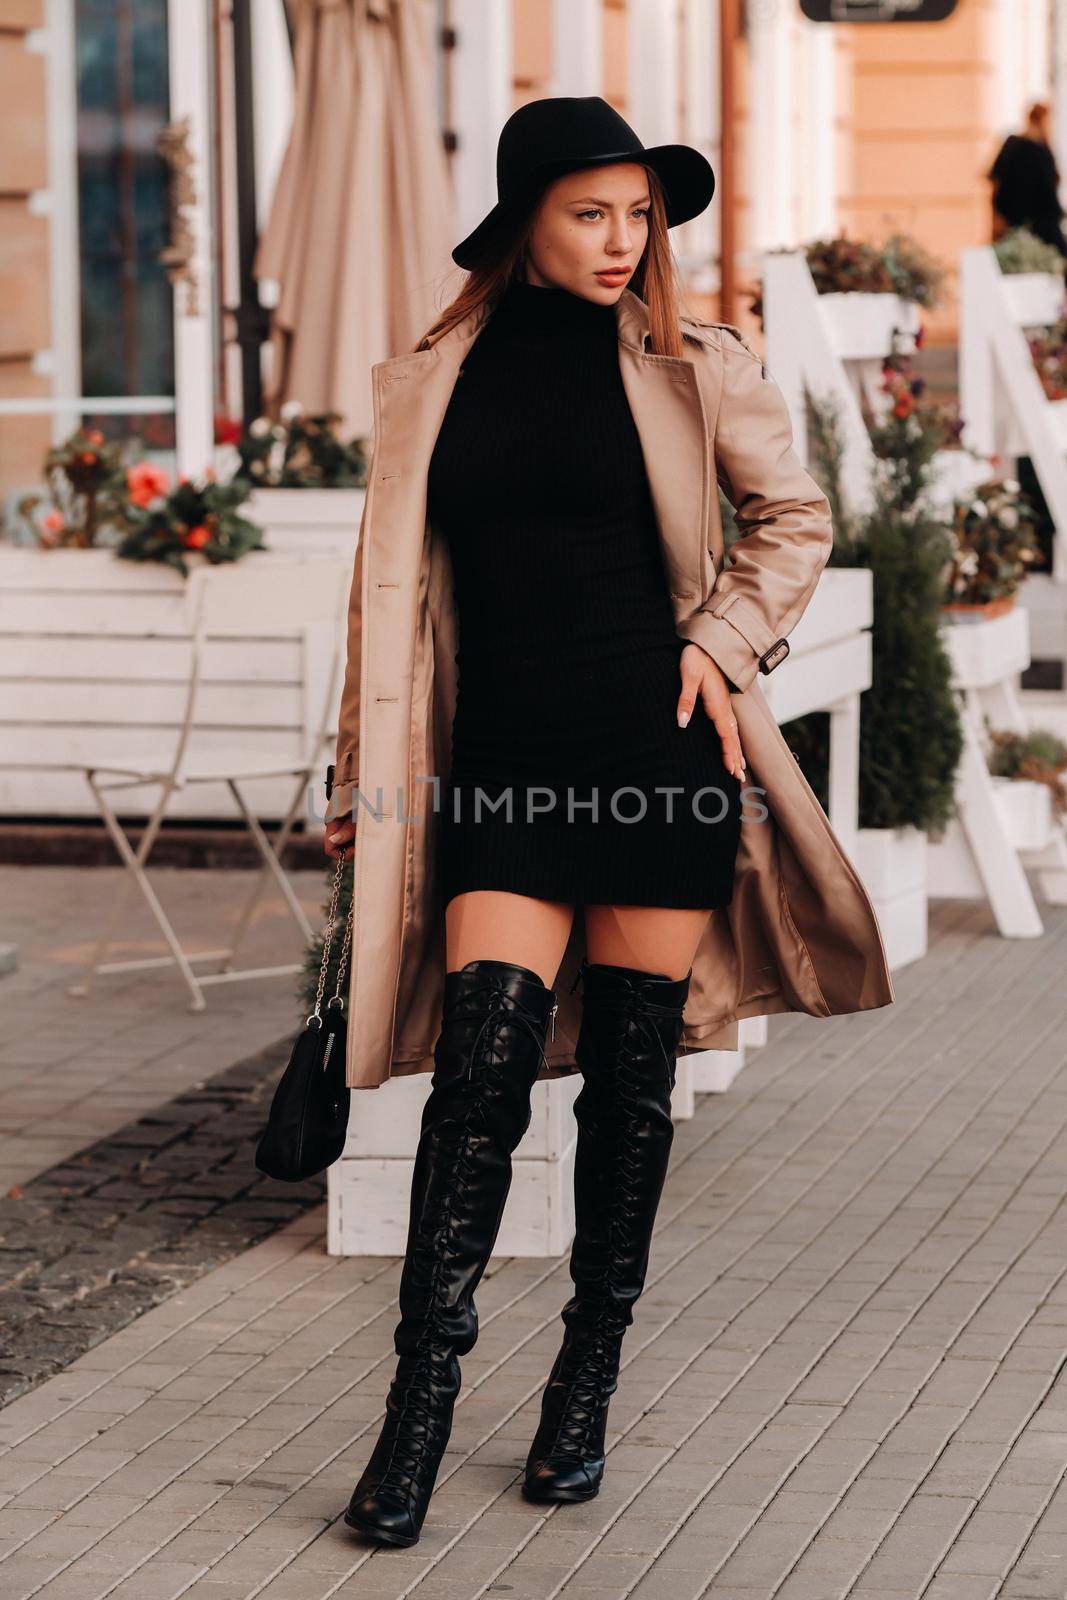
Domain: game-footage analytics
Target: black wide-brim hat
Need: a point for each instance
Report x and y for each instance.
(563, 133)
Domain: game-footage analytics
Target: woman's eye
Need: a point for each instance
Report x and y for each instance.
(597, 212)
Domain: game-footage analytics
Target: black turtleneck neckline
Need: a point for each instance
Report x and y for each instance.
(544, 308)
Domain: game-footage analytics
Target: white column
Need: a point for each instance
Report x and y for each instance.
(60, 204)
(653, 58)
(189, 38)
(1058, 80)
(272, 107)
(1023, 70)
(482, 91)
(770, 124)
(817, 133)
(699, 242)
(577, 47)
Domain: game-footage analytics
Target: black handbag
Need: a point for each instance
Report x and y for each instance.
(308, 1120)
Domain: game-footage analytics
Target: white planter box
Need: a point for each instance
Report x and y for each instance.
(368, 1188)
(861, 325)
(986, 651)
(308, 521)
(95, 659)
(1036, 298)
(892, 864)
(1025, 807)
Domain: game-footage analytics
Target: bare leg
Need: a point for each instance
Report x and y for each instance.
(490, 924)
(652, 938)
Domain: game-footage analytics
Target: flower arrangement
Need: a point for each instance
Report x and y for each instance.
(900, 265)
(1019, 250)
(1048, 347)
(87, 484)
(97, 499)
(907, 429)
(164, 524)
(995, 543)
(299, 451)
(1038, 755)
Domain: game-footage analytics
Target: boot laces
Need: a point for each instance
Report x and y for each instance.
(592, 1358)
(639, 1016)
(412, 1424)
(591, 1364)
(413, 1419)
(502, 1009)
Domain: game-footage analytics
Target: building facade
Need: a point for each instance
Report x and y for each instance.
(811, 127)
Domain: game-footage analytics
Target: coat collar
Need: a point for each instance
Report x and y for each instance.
(631, 321)
(411, 394)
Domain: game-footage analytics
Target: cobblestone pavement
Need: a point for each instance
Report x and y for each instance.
(94, 1242)
(75, 1069)
(847, 1375)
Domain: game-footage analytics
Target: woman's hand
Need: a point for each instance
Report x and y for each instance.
(701, 675)
(340, 831)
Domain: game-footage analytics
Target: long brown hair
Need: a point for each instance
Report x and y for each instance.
(654, 280)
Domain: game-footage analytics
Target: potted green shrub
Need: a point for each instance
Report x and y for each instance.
(1030, 780)
(1033, 277)
(910, 733)
(868, 292)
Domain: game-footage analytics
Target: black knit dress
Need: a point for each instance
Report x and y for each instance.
(571, 779)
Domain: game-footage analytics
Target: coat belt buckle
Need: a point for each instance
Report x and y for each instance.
(774, 656)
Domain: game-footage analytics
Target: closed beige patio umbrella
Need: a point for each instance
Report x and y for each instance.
(360, 231)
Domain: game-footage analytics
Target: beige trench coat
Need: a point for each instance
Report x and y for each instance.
(800, 933)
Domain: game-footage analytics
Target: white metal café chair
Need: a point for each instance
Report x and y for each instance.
(268, 597)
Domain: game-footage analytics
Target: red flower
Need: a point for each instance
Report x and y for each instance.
(227, 429)
(197, 536)
(145, 483)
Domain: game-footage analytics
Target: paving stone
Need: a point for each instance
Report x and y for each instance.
(872, 1197)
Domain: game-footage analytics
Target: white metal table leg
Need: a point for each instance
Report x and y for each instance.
(273, 865)
(135, 864)
(265, 870)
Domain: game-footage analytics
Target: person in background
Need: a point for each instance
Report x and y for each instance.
(1025, 181)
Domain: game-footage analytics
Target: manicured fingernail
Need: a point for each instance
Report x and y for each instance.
(683, 718)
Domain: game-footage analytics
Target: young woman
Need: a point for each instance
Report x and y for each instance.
(595, 754)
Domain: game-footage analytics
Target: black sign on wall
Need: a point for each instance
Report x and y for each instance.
(877, 10)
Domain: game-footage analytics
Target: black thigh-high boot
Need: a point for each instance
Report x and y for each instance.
(627, 1046)
(488, 1054)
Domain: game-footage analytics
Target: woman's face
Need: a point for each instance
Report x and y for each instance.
(588, 221)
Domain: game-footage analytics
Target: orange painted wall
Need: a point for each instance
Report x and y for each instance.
(24, 308)
(920, 115)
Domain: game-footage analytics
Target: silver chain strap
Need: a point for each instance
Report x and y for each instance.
(327, 941)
